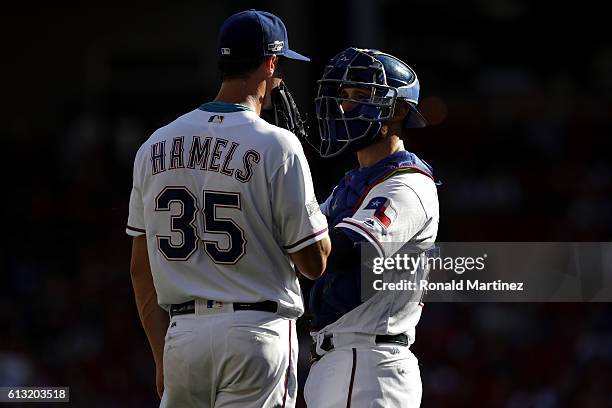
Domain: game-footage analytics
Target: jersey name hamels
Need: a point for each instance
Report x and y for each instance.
(206, 154)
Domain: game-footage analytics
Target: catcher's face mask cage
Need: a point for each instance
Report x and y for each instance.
(352, 130)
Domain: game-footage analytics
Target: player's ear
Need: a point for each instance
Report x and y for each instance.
(270, 65)
(400, 112)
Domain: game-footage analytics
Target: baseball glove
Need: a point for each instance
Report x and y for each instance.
(284, 112)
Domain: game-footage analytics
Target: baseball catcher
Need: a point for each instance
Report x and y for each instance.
(366, 105)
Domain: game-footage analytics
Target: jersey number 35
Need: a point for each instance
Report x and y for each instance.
(184, 223)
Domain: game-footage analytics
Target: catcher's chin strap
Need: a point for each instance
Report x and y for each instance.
(284, 112)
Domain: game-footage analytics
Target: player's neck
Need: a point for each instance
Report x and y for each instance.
(247, 92)
(372, 154)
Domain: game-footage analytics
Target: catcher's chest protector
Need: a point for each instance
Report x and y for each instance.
(352, 189)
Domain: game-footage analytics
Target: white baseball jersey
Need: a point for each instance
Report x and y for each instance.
(223, 197)
(401, 209)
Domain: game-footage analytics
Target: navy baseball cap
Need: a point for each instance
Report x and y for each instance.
(255, 33)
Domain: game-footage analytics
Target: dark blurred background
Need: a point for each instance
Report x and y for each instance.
(518, 95)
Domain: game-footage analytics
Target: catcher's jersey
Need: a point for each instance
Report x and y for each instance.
(401, 209)
(223, 197)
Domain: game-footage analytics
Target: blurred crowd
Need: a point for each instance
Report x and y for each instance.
(519, 146)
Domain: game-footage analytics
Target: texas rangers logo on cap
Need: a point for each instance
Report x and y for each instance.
(276, 46)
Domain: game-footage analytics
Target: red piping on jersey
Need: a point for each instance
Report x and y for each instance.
(306, 239)
(350, 391)
(135, 229)
(384, 177)
(288, 368)
(376, 241)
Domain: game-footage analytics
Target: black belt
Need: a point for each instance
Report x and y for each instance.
(399, 339)
(328, 345)
(189, 307)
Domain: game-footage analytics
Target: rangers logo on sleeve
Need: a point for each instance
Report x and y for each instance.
(384, 212)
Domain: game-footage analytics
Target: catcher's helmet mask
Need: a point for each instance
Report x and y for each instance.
(387, 78)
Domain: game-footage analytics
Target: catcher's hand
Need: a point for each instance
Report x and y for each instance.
(284, 112)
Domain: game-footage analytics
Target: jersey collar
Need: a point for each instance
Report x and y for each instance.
(223, 107)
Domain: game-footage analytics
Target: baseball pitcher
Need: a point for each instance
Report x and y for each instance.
(222, 208)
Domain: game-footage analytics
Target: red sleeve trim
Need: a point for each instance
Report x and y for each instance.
(135, 229)
(306, 239)
(361, 228)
